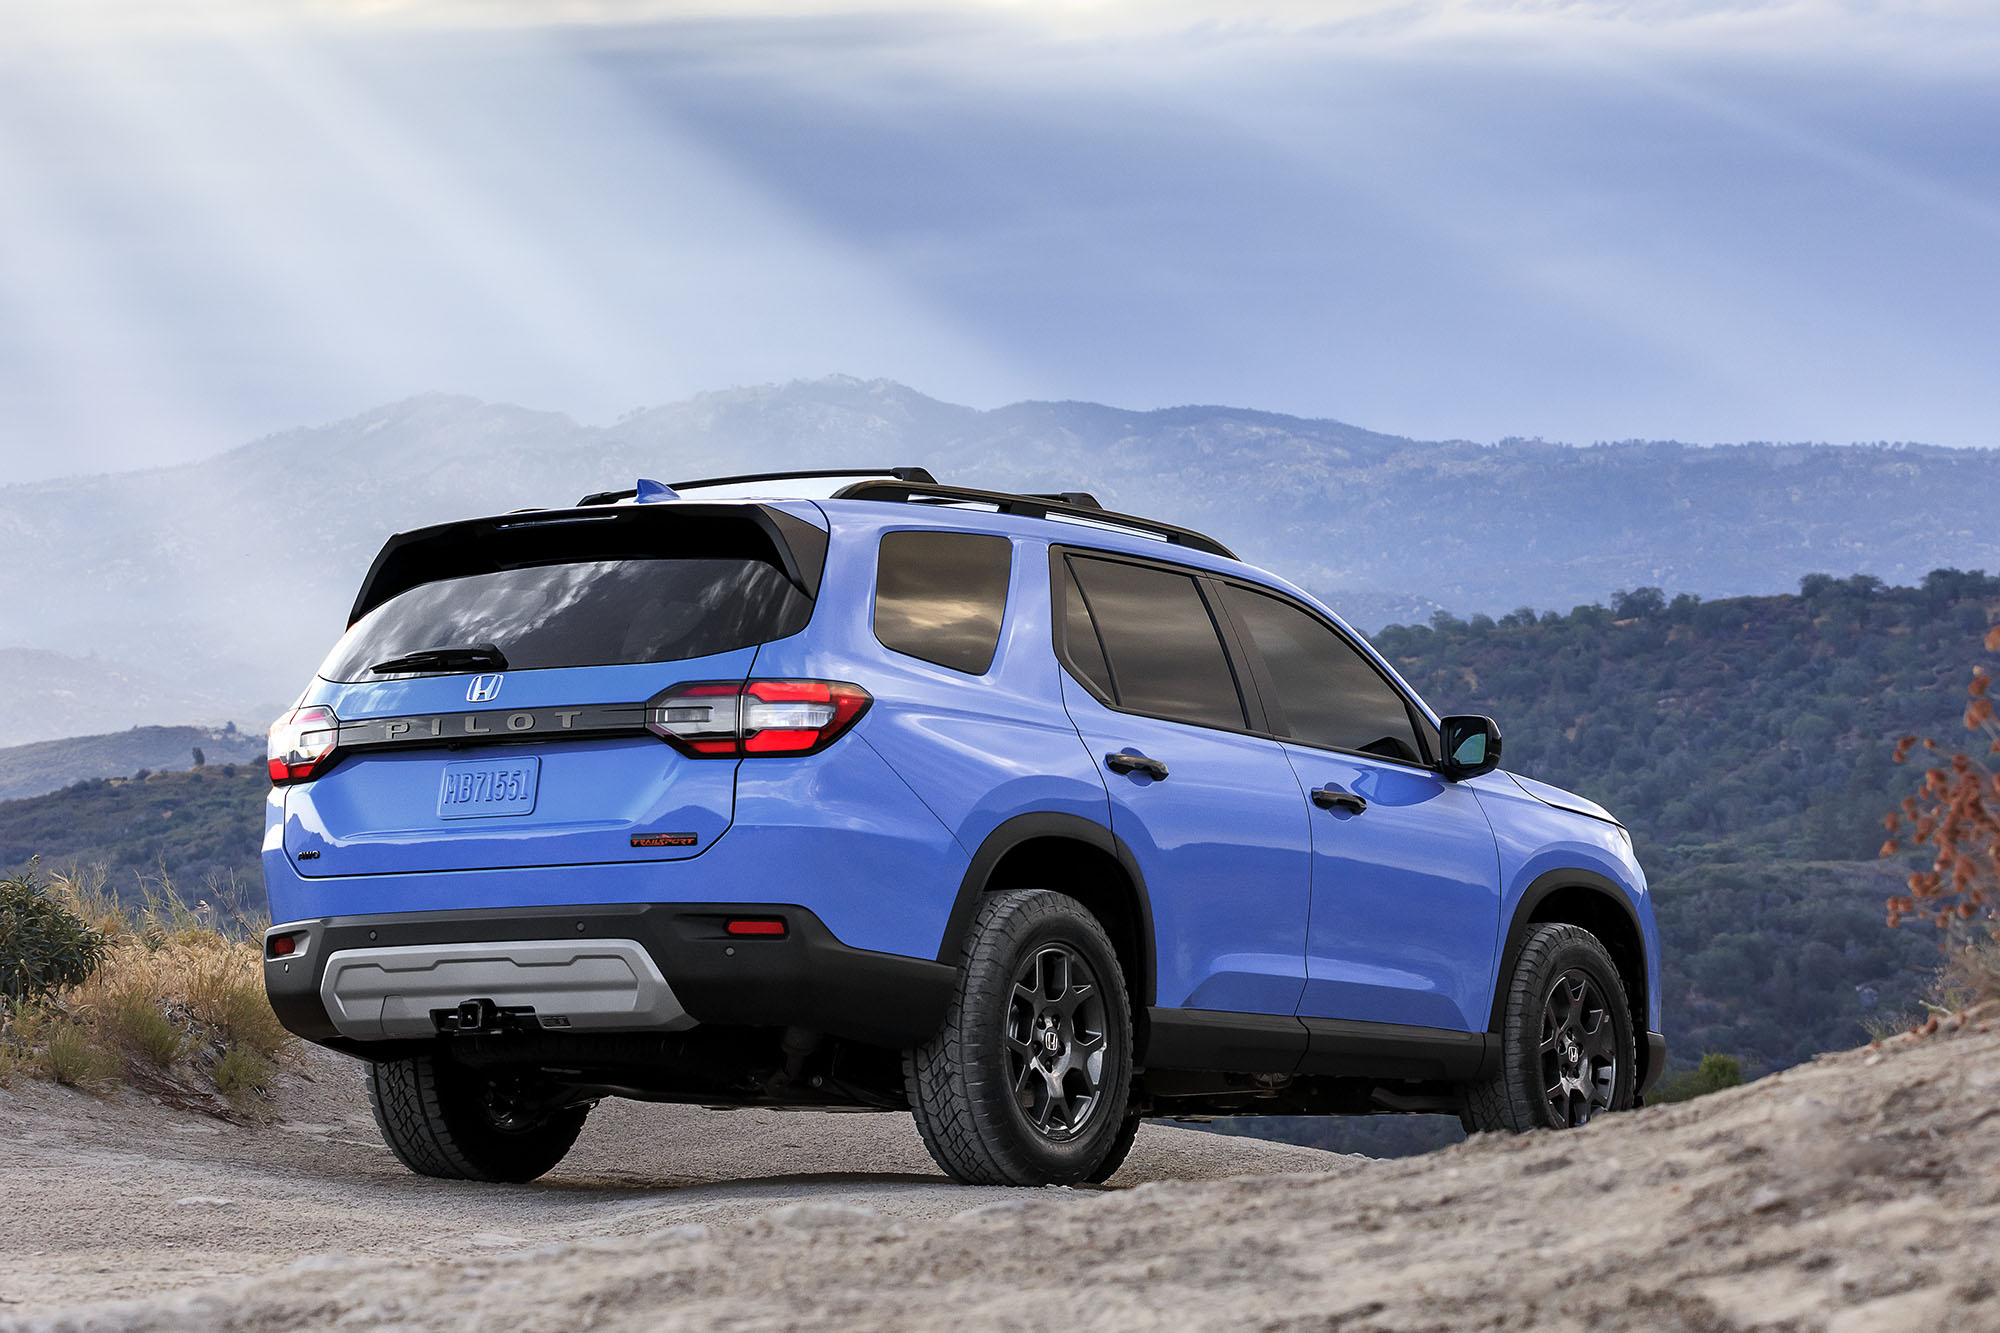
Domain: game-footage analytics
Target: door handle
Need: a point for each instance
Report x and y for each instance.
(1126, 762)
(1333, 798)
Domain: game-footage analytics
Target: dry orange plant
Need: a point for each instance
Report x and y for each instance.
(1955, 817)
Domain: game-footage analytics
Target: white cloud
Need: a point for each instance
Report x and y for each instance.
(1951, 32)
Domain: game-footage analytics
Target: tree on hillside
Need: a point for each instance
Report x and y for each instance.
(1953, 821)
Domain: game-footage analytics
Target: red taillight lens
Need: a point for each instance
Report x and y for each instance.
(302, 743)
(724, 719)
(284, 946)
(754, 926)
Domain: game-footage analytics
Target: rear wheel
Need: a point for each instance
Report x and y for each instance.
(1026, 1082)
(442, 1120)
(1121, 1148)
(1566, 1038)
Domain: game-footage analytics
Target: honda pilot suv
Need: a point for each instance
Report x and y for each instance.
(1023, 816)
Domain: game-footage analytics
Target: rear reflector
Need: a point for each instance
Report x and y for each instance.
(284, 946)
(727, 719)
(755, 926)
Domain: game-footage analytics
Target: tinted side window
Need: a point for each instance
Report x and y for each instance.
(1328, 692)
(942, 595)
(1086, 654)
(1164, 653)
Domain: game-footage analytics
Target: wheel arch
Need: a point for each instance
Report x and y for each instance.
(1577, 897)
(1071, 855)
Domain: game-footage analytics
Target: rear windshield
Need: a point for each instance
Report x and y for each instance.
(584, 613)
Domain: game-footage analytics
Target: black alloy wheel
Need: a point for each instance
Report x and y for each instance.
(1056, 1042)
(1566, 1038)
(1026, 1081)
(1579, 1050)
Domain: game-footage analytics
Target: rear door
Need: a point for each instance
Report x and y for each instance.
(1212, 814)
(1406, 876)
(552, 758)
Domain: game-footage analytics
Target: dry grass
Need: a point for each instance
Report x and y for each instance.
(178, 1004)
(1974, 967)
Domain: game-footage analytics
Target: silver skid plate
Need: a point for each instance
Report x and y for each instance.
(580, 985)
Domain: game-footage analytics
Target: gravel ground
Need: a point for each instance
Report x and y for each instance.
(121, 1197)
(1861, 1192)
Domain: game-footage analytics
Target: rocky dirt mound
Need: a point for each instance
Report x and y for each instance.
(1859, 1192)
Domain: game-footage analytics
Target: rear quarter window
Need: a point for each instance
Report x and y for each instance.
(941, 596)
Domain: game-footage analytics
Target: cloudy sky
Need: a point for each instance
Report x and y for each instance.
(1579, 220)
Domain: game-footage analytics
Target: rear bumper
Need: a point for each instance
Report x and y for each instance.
(646, 966)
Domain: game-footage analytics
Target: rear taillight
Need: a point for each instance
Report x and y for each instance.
(728, 719)
(302, 743)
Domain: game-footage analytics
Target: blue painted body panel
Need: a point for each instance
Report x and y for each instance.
(1226, 851)
(376, 814)
(835, 832)
(978, 749)
(1260, 903)
(1535, 838)
(1405, 897)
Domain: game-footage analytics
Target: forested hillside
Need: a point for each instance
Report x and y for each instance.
(1747, 744)
(46, 766)
(199, 829)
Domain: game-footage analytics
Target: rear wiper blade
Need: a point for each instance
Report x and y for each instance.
(445, 659)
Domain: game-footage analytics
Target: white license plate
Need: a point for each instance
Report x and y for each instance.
(482, 788)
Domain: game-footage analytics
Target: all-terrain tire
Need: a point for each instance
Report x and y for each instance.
(1121, 1148)
(1564, 1059)
(441, 1120)
(997, 1099)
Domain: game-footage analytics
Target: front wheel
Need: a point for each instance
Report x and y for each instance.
(443, 1120)
(1566, 1038)
(1026, 1082)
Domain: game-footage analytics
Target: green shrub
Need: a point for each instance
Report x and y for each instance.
(132, 1018)
(1713, 1074)
(72, 1057)
(241, 1073)
(44, 945)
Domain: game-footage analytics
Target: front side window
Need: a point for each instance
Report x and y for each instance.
(1327, 691)
(1161, 646)
(941, 596)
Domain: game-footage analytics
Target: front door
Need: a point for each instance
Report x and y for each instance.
(1213, 815)
(1406, 874)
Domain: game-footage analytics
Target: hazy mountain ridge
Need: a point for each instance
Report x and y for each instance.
(221, 583)
(46, 766)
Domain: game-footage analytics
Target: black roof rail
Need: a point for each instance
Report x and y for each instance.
(1070, 504)
(910, 474)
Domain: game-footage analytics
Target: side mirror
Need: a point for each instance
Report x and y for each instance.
(1471, 746)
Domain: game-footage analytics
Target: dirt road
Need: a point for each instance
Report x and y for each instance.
(1861, 1192)
(120, 1197)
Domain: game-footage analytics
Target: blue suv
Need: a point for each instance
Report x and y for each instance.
(1021, 815)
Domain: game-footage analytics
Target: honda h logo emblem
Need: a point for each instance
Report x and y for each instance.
(483, 688)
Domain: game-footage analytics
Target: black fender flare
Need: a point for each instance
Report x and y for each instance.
(1537, 892)
(1026, 828)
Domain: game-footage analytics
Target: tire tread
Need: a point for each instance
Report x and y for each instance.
(945, 1078)
(1502, 1102)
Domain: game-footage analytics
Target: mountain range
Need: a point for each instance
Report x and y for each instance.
(207, 592)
